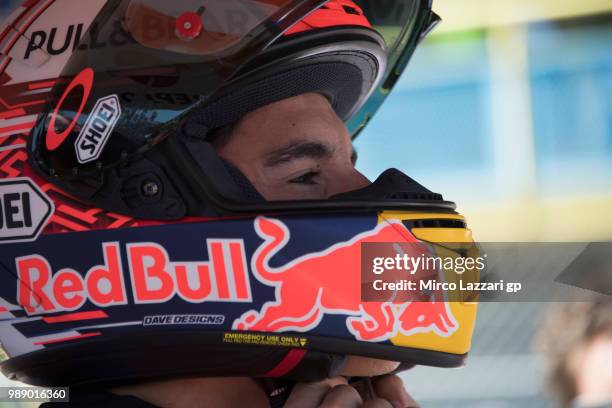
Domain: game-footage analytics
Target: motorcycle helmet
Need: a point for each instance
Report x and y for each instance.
(131, 251)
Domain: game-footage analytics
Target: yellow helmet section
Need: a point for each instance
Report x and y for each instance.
(449, 237)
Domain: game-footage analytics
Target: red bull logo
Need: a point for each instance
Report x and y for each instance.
(328, 282)
(306, 289)
(155, 278)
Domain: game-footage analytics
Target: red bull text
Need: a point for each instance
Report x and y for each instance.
(154, 278)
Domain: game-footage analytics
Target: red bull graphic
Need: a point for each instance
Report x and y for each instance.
(328, 282)
(261, 275)
(154, 278)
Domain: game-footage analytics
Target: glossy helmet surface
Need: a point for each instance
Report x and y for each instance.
(134, 251)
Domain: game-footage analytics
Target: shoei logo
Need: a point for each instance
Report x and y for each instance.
(97, 130)
(24, 210)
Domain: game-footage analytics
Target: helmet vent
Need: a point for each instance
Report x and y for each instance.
(350, 10)
(415, 196)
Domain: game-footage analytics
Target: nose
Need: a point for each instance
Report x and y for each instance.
(349, 180)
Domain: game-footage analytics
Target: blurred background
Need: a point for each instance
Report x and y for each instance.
(506, 109)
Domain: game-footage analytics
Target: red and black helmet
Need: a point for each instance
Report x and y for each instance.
(134, 251)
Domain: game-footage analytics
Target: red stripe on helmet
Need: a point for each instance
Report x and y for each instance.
(288, 363)
(73, 317)
(76, 337)
(334, 13)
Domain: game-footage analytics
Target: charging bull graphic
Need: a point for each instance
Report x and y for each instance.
(328, 282)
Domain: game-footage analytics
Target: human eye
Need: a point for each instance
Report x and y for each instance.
(307, 178)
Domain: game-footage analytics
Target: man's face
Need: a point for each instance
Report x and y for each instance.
(298, 148)
(294, 149)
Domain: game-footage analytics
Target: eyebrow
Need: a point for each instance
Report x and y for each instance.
(314, 150)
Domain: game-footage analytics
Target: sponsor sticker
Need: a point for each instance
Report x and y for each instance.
(24, 210)
(162, 320)
(84, 81)
(264, 339)
(97, 130)
(155, 278)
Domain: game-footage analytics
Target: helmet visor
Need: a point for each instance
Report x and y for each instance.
(403, 24)
(145, 64)
(148, 62)
(196, 27)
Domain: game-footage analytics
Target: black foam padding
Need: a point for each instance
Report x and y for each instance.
(343, 77)
(391, 185)
(248, 191)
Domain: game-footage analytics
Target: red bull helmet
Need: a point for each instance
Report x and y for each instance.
(129, 250)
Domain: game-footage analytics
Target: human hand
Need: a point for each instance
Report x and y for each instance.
(386, 392)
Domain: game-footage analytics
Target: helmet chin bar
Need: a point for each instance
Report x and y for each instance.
(155, 356)
(198, 356)
(128, 346)
(125, 348)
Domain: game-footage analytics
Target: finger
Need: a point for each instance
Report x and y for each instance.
(342, 396)
(391, 388)
(378, 403)
(364, 388)
(310, 395)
